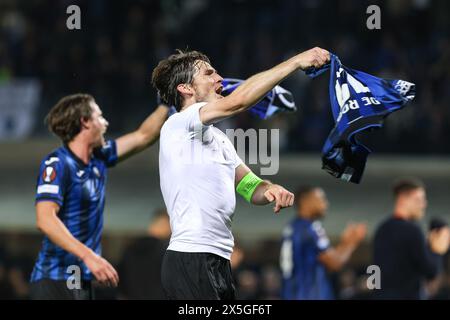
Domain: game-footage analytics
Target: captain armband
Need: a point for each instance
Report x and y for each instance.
(248, 185)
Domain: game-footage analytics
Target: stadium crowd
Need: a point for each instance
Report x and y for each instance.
(119, 43)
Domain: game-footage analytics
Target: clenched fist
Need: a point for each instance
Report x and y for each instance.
(315, 57)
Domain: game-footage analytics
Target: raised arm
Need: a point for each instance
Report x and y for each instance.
(255, 87)
(261, 192)
(144, 136)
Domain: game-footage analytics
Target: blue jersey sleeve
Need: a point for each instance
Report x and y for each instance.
(51, 182)
(319, 237)
(108, 153)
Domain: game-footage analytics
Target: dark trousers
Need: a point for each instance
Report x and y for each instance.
(196, 276)
(47, 289)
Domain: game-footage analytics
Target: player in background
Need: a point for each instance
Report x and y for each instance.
(307, 258)
(70, 196)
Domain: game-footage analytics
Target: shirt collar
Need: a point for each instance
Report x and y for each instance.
(75, 157)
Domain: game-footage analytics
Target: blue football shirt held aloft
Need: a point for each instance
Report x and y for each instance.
(359, 103)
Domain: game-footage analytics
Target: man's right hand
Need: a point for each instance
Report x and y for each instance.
(315, 57)
(103, 271)
(255, 87)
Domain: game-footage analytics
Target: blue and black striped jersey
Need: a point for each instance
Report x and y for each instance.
(79, 190)
(359, 102)
(304, 277)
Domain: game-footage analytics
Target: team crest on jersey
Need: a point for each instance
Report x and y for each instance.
(49, 174)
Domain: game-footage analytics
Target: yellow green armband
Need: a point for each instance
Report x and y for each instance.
(248, 185)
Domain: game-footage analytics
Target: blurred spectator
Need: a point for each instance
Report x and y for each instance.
(248, 284)
(140, 267)
(442, 290)
(362, 291)
(353, 284)
(307, 257)
(6, 290)
(18, 274)
(120, 42)
(405, 257)
(246, 278)
(347, 284)
(270, 283)
(14, 272)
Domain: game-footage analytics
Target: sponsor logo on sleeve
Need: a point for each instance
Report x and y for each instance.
(48, 188)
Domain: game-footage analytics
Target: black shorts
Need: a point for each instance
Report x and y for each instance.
(47, 289)
(196, 276)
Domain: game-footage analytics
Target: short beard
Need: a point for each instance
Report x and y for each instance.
(318, 215)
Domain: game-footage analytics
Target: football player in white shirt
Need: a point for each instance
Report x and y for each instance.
(200, 170)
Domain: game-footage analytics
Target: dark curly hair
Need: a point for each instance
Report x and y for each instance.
(176, 69)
